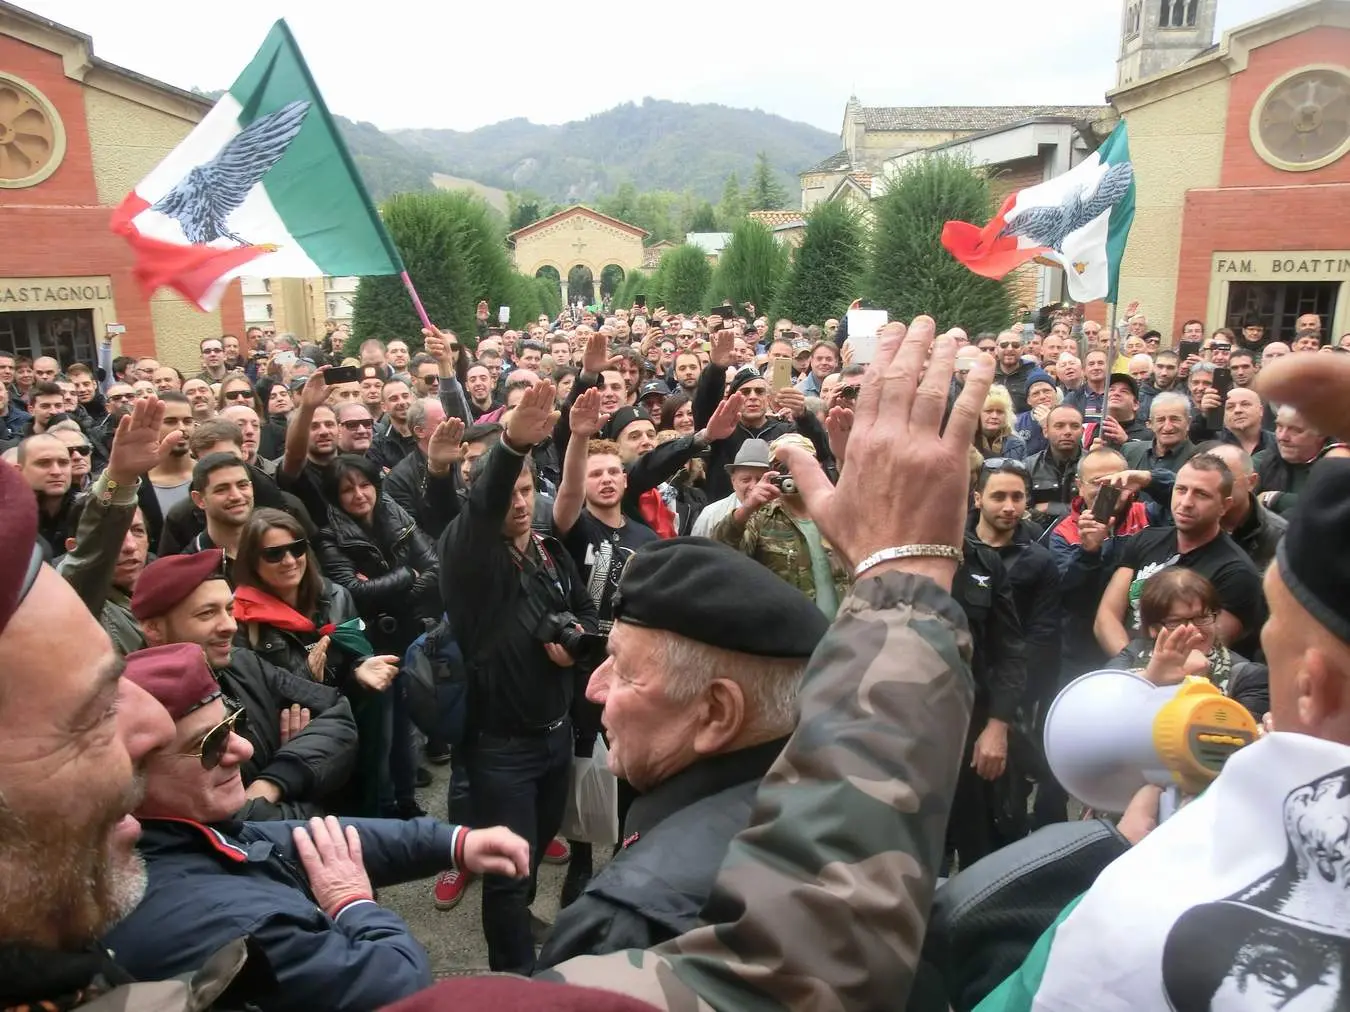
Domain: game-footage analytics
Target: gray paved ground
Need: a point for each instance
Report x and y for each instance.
(454, 938)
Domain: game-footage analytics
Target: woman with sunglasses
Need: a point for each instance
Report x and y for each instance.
(1179, 609)
(388, 564)
(289, 614)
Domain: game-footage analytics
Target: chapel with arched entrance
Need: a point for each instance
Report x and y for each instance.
(586, 253)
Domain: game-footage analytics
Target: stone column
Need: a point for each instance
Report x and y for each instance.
(595, 283)
(562, 290)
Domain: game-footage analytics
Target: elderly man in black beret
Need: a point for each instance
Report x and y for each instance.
(700, 694)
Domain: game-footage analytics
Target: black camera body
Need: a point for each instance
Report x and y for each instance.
(564, 629)
(785, 483)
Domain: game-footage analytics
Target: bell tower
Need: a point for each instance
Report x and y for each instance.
(1157, 35)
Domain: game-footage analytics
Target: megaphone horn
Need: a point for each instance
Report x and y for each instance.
(1109, 733)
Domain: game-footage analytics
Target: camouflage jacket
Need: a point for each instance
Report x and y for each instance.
(773, 539)
(847, 833)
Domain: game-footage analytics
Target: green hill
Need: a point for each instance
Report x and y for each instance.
(657, 145)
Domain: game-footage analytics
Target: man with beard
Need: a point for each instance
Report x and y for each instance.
(311, 445)
(478, 384)
(1052, 470)
(394, 439)
(171, 477)
(302, 731)
(212, 878)
(47, 405)
(199, 395)
(73, 737)
(521, 687)
(223, 490)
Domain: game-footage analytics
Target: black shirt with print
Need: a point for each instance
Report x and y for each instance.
(600, 552)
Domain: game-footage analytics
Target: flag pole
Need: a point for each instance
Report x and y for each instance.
(1112, 345)
(417, 300)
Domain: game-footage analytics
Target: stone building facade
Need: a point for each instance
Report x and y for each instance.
(577, 237)
(79, 133)
(1242, 160)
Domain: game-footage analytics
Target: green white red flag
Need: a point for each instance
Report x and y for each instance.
(1078, 221)
(262, 187)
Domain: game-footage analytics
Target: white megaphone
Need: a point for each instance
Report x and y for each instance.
(1109, 733)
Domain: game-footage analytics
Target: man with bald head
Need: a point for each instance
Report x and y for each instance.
(46, 369)
(1243, 413)
(44, 461)
(1256, 529)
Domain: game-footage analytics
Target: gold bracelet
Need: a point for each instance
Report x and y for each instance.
(908, 552)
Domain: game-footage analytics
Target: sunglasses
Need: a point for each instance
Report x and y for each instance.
(1010, 344)
(83, 449)
(217, 740)
(355, 424)
(239, 395)
(295, 549)
(1220, 347)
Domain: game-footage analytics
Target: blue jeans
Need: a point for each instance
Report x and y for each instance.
(520, 782)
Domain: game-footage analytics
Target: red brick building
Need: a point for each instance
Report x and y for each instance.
(1242, 161)
(76, 135)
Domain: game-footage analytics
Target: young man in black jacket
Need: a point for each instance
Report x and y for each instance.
(511, 595)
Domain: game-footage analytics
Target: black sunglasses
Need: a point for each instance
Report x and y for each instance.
(217, 740)
(83, 449)
(295, 549)
(239, 395)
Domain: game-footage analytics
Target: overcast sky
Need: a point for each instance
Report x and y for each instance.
(410, 63)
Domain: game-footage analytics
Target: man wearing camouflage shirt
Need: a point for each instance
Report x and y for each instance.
(849, 821)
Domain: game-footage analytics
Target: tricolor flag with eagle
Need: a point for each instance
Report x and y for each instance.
(263, 187)
(1078, 221)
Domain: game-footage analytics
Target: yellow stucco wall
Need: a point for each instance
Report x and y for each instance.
(127, 140)
(180, 328)
(1176, 144)
(557, 245)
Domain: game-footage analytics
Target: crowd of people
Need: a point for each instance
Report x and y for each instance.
(648, 528)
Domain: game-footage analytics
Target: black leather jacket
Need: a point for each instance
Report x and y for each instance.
(389, 568)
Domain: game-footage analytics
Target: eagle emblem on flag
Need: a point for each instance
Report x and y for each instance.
(204, 199)
(1050, 226)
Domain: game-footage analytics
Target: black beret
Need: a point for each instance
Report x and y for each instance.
(713, 594)
(744, 375)
(623, 418)
(1318, 533)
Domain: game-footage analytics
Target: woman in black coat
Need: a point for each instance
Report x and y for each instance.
(374, 550)
(288, 614)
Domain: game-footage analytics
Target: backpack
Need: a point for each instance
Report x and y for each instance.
(437, 685)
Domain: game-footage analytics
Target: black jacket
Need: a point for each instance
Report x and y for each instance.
(984, 592)
(1015, 383)
(1053, 484)
(290, 650)
(492, 604)
(677, 836)
(56, 528)
(1260, 533)
(712, 384)
(399, 566)
(429, 500)
(310, 766)
(1034, 580)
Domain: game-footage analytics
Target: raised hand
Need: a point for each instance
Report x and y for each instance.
(725, 418)
(839, 426)
(790, 402)
(586, 418)
(914, 487)
(761, 494)
(445, 446)
(442, 345)
(723, 343)
(597, 358)
(315, 390)
(534, 417)
(136, 446)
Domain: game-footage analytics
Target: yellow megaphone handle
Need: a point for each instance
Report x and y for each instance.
(1197, 730)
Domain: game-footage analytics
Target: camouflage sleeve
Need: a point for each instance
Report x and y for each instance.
(822, 901)
(744, 537)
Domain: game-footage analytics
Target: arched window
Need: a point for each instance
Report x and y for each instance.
(1192, 9)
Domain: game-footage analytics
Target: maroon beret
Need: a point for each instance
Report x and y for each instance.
(170, 579)
(18, 506)
(177, 675)
(515, 994)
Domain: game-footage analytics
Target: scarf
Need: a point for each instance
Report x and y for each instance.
(258, 606)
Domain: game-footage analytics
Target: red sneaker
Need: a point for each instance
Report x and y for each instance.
(450, 888)
(557, 852)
